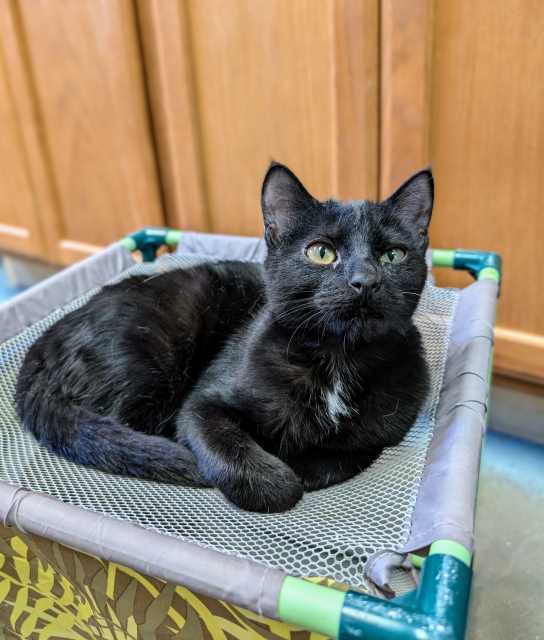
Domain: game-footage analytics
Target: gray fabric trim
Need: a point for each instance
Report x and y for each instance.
(446, 501)
(241, 582)
(381, 569)
(222, 247)
(38, 301)
(447, 495)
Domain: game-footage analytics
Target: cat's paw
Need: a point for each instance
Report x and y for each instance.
(315, 479)
(321, 469)
(316, 474)
(266, 485)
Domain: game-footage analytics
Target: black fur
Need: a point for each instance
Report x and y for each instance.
(261, 382)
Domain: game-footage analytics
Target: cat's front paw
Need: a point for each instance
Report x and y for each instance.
(319, 469)
(267, 485)
(319, 474)
(312, 481)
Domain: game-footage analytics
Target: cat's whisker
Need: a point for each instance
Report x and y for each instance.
(389, 415)
(292, 312)
(295, 331)
(294, 303)
(294, 309)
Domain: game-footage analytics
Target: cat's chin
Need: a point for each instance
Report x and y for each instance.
(347, 330)
(356, 330)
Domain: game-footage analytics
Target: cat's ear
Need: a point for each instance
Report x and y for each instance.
(283, 197)
(413, 201)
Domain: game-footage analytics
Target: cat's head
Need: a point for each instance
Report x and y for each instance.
(350, 270)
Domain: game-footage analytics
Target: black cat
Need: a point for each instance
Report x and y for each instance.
(259, 381)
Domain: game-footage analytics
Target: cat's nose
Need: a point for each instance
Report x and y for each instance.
(357, 283)
(361, 281)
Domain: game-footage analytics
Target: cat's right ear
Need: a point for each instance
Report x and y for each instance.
(283, 196)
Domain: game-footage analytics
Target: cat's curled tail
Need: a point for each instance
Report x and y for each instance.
(86, 438)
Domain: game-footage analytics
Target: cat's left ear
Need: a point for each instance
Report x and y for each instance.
(283, 199)
(413, 201)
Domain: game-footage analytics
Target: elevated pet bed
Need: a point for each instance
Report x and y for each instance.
(87, 555)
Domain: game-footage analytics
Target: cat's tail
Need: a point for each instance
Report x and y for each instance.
(102, 442)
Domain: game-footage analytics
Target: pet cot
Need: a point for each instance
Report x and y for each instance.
(385, 555)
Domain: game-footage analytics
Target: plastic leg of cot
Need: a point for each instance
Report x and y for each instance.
(437, 610)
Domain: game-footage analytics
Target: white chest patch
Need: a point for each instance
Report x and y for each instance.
(337, 402)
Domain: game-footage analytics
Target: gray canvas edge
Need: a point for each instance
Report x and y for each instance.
(241, 582)
(446, 501)
(447, 495)
(60, 289)
(222, 247)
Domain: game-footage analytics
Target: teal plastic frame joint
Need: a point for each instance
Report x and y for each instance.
(475, 262)
(150, 239)
(436, 610)
(480, 264)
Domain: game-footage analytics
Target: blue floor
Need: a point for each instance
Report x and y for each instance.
(7, 291)
(516, 461)
(508, 586)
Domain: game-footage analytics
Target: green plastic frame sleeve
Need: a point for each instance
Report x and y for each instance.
(173, 237)
(417, 561)
(489, 273)
(311, 606)
(129, 243)
(443, 257)
(451, 548)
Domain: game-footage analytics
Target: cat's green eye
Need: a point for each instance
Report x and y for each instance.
(321, 253)
(393, 256)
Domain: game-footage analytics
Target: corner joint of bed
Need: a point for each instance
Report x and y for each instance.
(150, 239)
(482, 265)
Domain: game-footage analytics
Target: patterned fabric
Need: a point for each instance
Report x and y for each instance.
(48, 591)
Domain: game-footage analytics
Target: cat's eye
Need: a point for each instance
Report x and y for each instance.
(393, 256)
(321, 253)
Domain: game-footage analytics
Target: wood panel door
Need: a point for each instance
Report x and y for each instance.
(476, 71)
(80, 158)
(20, 227)
(237, 83)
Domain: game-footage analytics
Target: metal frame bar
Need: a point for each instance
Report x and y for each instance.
(438, 608)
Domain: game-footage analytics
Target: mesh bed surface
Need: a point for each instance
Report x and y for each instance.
(330, 533)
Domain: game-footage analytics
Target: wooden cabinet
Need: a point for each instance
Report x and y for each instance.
(118, 114)
(76, 144)
(20, 223)
(236, 84)
(474, 74)
(487, 145)
(207, 91)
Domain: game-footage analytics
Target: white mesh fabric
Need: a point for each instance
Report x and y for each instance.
(330, 533)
